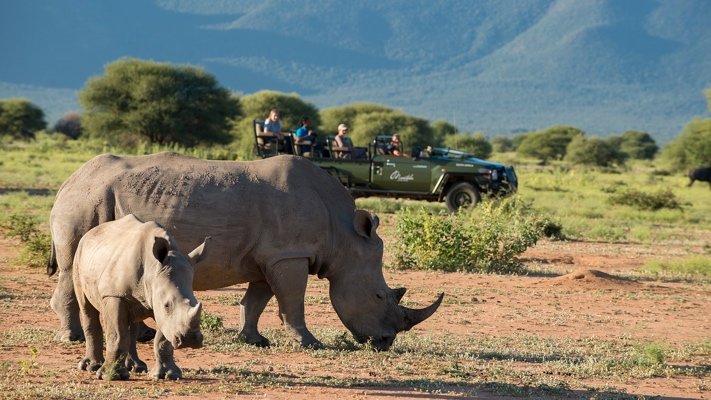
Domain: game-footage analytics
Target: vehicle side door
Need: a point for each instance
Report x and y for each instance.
(403, 174)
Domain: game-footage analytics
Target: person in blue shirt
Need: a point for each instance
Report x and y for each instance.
(305, 136)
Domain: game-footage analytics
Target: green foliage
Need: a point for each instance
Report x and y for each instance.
(161, 103)
(638, 145)
(37, 244)
(592, 152)
(476, 144)
(649, 356)
(695, 265)
(488, 239)
(257, 106)
(441, 130)
(69, 125)
(502, 144)
(368, 120)
(20, 119)
(663, 198)
(692, 148)
(550, 144)
(211, 323)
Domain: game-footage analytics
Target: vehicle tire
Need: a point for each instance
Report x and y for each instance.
(462, 195)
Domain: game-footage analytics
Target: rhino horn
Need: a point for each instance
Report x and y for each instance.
(399, 292)
(194, 312)
(413, 317)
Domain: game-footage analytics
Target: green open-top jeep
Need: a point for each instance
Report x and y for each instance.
(430, 173)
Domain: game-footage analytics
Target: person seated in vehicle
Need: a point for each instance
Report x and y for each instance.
(272, 125)
(306, 137)
(345, 142)
(393, 148)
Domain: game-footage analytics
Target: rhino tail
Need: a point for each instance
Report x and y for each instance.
(52, 262)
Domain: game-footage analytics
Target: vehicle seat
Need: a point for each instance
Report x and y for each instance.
(336, 150)
(302, 147)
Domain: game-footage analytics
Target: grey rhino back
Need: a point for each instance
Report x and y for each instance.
(257, 212)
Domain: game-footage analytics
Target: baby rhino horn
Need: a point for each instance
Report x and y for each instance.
(194, 312)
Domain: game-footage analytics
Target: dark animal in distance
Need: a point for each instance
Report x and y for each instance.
(700, 174)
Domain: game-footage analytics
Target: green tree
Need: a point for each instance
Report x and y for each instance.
(441, 130)
(550, 144)
(331, 117)
(475, 144)
(69, 125)
(592, 151)
(412, 130)
(692, 148)
(366, 120)
(20, 119)
(637, 145)
(141, 100)
(256, 106)
(502, 144)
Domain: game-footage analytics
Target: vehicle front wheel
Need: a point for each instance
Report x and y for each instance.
(462, 195)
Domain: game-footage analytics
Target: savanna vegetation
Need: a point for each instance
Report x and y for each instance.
(574, 187)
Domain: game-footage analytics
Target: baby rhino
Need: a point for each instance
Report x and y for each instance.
(124, 272)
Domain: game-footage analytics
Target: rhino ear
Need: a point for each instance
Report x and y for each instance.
(160, 248)
(365, 223)
(199, 253)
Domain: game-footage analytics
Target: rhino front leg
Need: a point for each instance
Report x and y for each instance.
(165, 367)
(116, 326)
(91, 323)
(288, 279)
(133, 363)
(65, 305)
(252, 305)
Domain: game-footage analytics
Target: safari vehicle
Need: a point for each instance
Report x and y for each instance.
(433, 173)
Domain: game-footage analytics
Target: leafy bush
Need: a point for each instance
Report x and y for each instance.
(592, 151)
(37, 244)
(211, 323)
(488, 239)
(549, 144)
(645, 201)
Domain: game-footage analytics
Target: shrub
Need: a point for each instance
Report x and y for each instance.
(488, 239)
(37, 244)
(645, 201)
(211, 323)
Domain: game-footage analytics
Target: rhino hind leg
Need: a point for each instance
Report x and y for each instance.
(65, 305)
(252, 305)
(165, 367)
(91, 325)
(288, 280)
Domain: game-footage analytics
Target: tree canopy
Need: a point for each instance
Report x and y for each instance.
(20, 119)
(475, 144)
(593, 152)
(692, 148)
(142, 100)
(549, 144)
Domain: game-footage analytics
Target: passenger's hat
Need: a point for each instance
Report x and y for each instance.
(342, 126)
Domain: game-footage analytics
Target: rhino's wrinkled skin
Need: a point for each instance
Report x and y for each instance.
(125, 271)
(272, 222)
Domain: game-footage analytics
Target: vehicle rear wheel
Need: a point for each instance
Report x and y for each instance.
(462, 195)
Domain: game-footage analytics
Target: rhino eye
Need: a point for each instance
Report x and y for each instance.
(379, 296)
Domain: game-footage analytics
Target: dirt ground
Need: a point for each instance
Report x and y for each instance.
(579, 293)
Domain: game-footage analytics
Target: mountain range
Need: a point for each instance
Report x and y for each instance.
(491, 66)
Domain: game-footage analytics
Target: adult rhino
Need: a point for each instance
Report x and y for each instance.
(272, 222)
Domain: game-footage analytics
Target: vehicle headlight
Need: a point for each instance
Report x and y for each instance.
(494, 175)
